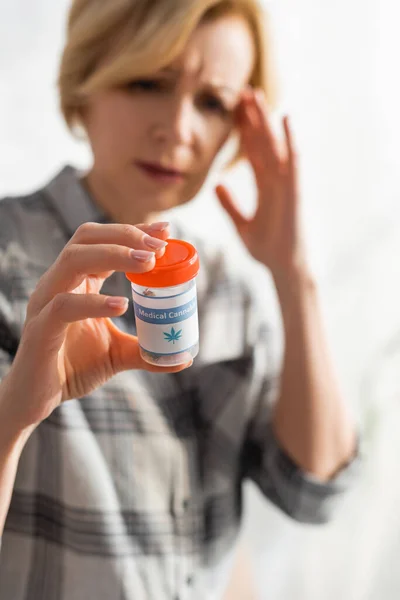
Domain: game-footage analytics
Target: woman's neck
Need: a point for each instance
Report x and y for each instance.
(111, 202)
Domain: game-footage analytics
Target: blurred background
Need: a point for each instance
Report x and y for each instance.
(339, 82)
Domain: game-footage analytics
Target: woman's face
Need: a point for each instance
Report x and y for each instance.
(155, 140)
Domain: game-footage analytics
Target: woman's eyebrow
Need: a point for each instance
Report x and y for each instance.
(171, 71)
(215, 85)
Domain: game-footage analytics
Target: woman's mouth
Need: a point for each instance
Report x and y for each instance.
(160, 174)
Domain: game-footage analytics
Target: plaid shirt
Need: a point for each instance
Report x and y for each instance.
(134, 492)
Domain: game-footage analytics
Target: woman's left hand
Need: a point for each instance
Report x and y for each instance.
(273, 235)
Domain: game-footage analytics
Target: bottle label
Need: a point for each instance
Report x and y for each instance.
(168, 325)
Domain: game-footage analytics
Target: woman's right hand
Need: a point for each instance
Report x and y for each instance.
(69, 345)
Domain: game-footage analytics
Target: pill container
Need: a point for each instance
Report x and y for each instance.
(165, 303)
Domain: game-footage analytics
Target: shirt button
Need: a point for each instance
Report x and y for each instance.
(190, 580)
(186, 504)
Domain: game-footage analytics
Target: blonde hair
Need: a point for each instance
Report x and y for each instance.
(110, 42)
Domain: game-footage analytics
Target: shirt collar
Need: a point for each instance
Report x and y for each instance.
(76, 206)
(72, 201)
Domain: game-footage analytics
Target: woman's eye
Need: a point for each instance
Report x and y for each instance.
(146, 85)
(214, 104)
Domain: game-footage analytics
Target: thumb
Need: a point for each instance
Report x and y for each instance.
(227, 202)
(125, 354)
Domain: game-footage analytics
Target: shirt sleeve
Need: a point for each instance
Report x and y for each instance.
(17, 272)
(299, 494)
(8, 335)
(5, 364)
(11, 285)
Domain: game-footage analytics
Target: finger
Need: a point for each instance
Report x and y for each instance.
(125, 352)
(146, 237)
(145, 366)
(262, 110)
(289, 141)
(259, 142)
(254, 150)
(291, 161)
(249, 113)
(159, 229)
(228, 204)
(64, 309)
(76, 262)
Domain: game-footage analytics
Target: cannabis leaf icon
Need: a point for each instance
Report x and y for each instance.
(173, 336)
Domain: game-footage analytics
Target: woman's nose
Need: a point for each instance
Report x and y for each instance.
(176, 124)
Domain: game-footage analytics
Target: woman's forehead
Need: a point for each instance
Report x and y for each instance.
(220, 52)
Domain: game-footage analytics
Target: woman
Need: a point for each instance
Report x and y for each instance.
(132, 488)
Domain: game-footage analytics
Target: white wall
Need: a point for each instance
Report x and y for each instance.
(340, 84)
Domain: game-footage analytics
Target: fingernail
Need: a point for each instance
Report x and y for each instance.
(154, 242)
(142, 255)
(117, 302)
(159, 226)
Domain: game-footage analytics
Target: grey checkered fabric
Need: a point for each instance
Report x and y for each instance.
(134, 492)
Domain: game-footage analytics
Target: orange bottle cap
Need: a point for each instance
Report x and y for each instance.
(179, 264)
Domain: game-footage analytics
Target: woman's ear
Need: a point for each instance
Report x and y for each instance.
(78, 126)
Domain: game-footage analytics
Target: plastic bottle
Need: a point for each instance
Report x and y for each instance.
(165, 302)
